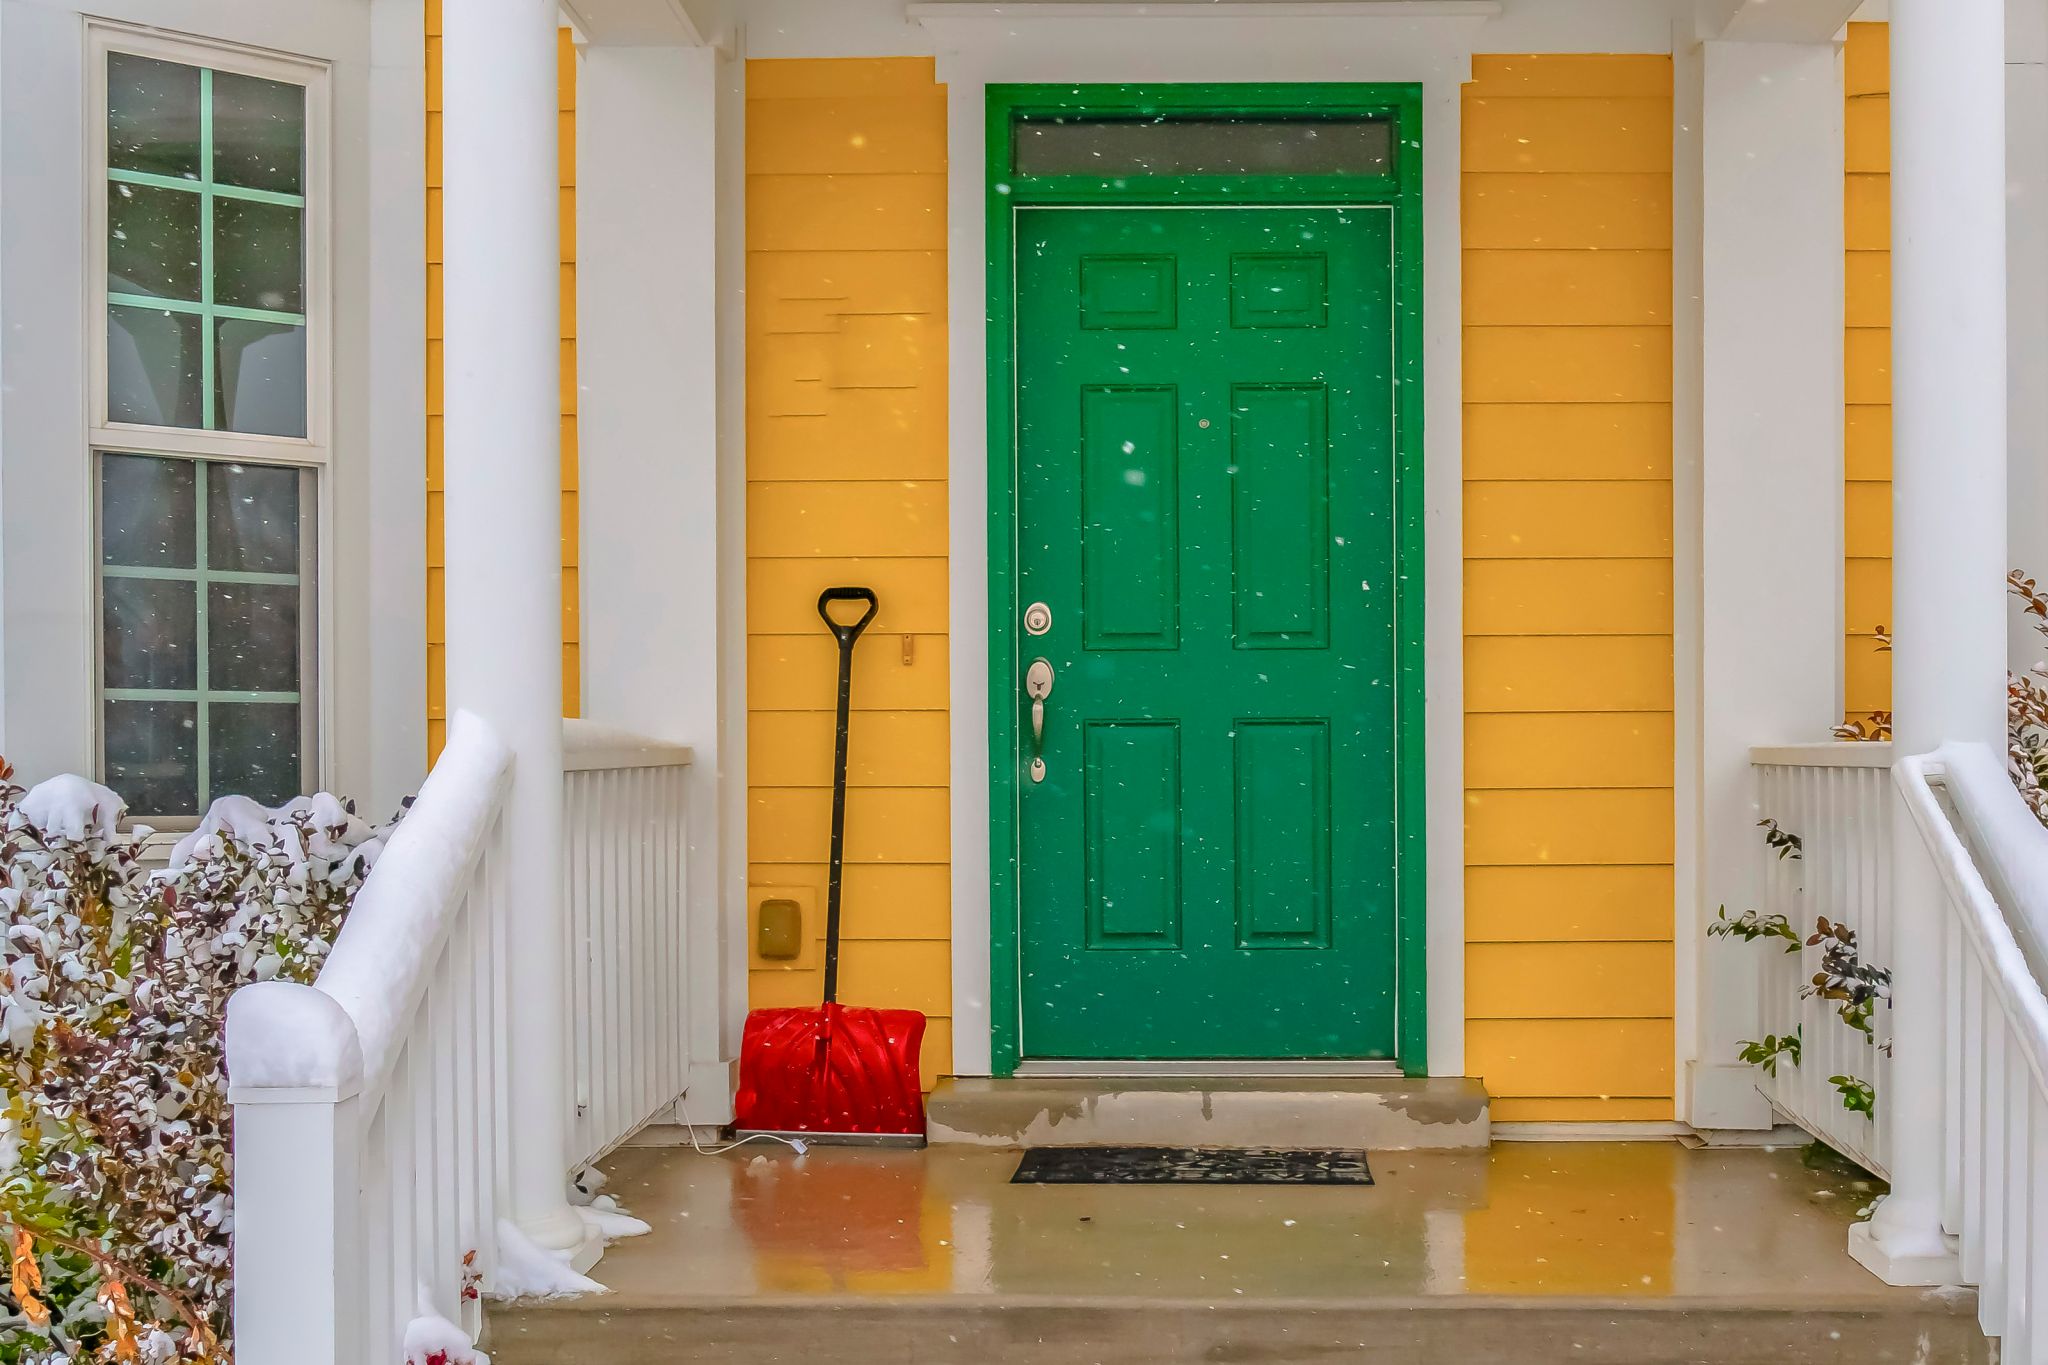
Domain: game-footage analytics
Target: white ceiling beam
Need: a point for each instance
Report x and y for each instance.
(1780, 21)
(632, 23)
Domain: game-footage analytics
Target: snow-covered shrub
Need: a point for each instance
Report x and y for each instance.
(2026, 707)
(115, 1167)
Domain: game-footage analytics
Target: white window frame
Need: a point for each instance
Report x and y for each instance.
(311, 452)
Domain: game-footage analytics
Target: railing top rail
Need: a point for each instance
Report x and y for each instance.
(2006, 833)
(1831, 754)
(392, 937)
(588, 746)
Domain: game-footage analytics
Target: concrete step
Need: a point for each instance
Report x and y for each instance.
(1424, 1331)
(1381, 1114)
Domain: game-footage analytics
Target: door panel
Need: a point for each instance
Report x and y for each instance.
(1206, 504)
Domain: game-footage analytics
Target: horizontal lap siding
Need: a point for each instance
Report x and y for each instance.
(1568, 591)
(437, 556)
(1867, 377)
(846, 483)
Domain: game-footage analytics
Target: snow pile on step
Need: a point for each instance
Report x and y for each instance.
(527, 1270)
(433, 1340)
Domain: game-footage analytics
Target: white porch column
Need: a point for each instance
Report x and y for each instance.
(1770, 500)
(502, 370)
(1948, 547)
(648, 206)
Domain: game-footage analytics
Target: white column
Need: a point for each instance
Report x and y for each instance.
(1948, 542)
(1770, 498)
(502, 371)
(647, 171)
(2026, 104)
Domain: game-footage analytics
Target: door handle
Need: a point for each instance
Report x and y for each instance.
(1038, 686)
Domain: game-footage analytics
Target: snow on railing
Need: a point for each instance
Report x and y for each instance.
(1828, 808)
(1992, 858)
(371, 1138)
(626, 862)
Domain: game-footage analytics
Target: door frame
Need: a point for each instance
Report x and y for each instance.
(1402, 191)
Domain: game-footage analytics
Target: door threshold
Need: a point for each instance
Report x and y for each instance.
(1051, 1069)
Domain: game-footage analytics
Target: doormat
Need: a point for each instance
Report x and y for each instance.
(1191, 1166)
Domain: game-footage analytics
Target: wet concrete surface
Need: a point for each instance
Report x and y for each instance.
(1630, 1219)
(1625, 1252)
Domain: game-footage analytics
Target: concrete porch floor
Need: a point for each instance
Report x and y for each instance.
(1644, 1253)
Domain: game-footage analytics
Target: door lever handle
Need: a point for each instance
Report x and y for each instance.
(1038, 686)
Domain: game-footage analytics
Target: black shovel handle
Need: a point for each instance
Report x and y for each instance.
(845, 634)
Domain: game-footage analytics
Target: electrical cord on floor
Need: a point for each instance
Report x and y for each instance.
(797, 1145)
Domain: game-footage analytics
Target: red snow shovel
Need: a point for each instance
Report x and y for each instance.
(834, 1070)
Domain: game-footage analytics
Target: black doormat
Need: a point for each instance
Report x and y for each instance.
(1191, 1166)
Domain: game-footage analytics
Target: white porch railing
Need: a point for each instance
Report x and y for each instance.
(1836, 800)
(1992, 859)
(371, 1133)
(371, 1125)
(626, 862)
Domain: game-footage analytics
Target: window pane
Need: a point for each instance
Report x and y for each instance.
(257, 256)
(1201, 146)
(154, 373)
(259, 132)
(252, 518)
(146, 512)
(152, 749)
(254, 750)
(149, 633)
(260, 378)
(152, 116)
(252, 637)
(152, 241)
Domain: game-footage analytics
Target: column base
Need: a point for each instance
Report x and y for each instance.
(1725, 1095)
(1910, 1259)
(708, 1100)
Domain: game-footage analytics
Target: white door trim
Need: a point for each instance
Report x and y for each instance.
(977, 51)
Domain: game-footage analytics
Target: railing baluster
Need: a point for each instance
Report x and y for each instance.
(1969, 1116)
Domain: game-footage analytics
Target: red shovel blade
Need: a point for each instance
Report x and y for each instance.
(831, 1069)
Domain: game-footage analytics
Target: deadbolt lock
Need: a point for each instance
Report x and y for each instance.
(1037, 619)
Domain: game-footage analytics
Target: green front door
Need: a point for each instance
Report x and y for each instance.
(1205, 491)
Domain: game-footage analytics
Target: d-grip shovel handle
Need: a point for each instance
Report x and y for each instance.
(846, 634)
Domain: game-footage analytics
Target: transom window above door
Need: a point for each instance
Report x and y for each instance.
(1172, 146)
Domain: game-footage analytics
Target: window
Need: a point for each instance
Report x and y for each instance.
(203, 640)
(1108, 147)
(208, 421)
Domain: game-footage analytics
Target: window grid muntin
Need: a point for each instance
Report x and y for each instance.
(205, 308)
(201, 696)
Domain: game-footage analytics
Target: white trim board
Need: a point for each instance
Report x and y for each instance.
(1012, 10)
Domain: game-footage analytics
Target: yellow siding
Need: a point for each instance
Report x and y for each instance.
(1568, 591)
(846, 483)
(437, 632)
(1867, 377)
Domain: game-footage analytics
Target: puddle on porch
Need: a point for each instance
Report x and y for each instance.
(1585, 1220)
